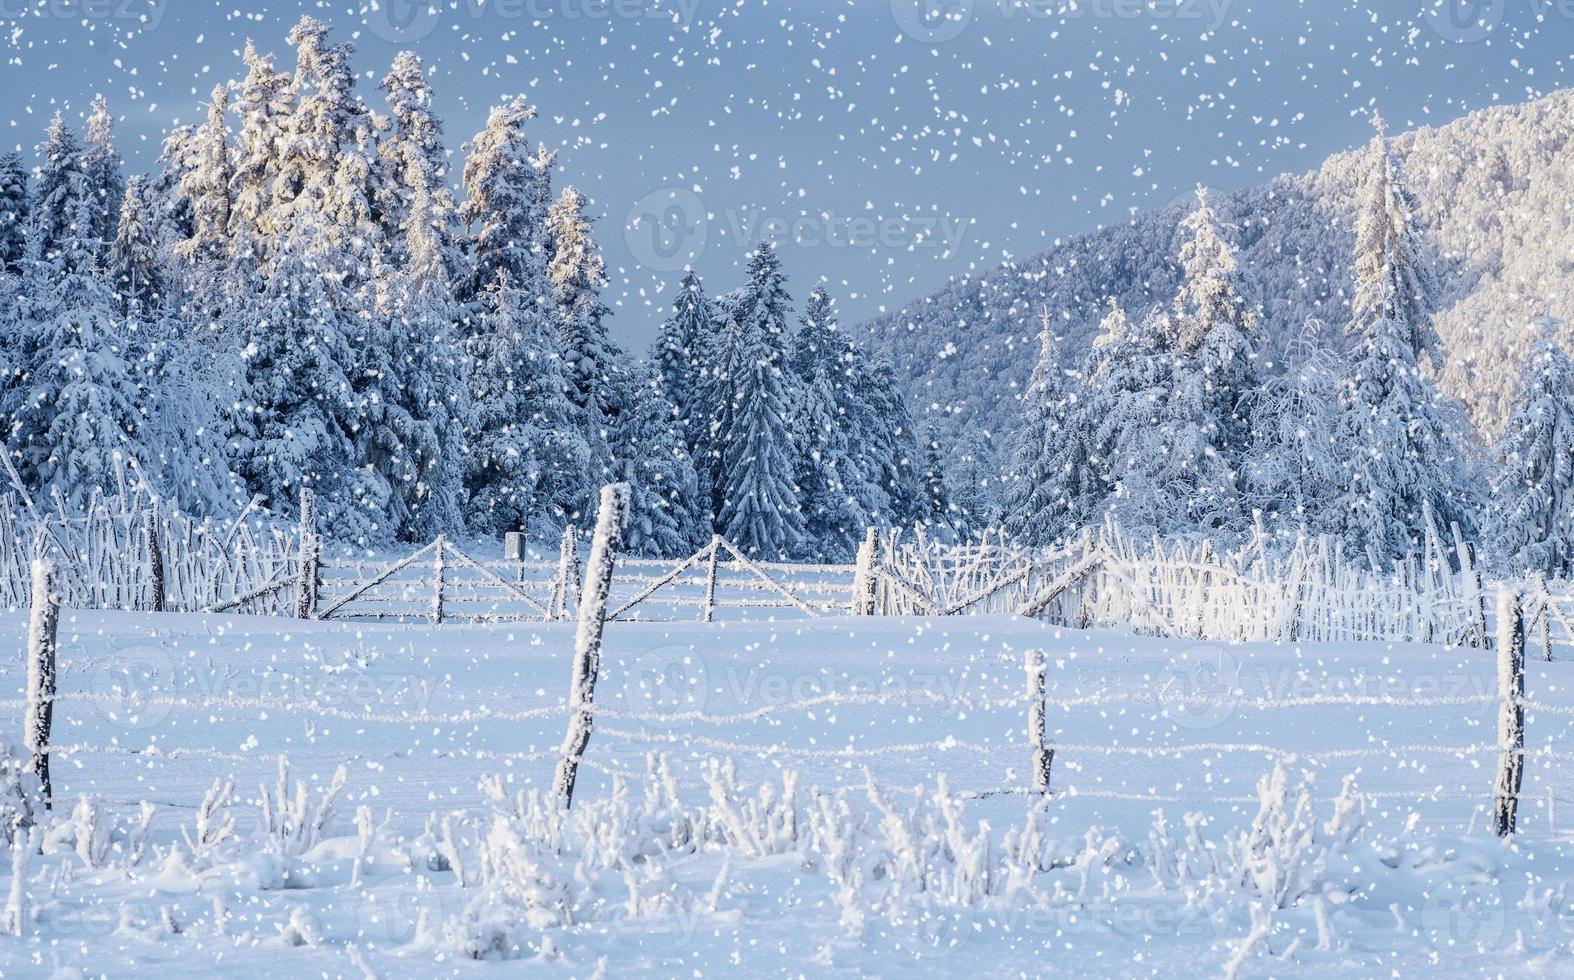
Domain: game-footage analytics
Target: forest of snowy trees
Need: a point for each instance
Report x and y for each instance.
(301, 296)
(1173, 426)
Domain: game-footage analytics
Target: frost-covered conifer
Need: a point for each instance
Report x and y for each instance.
(507, 184)
(101, 171)
(683, 353)
(1400, 450)
(64, 208)
(527, 452)
(666, 515)
(14, 213)
(207, 186)
(1530, 522)
(758, 506)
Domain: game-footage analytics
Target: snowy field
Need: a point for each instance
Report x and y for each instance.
(701, 870)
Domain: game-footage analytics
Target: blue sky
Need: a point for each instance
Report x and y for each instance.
(887, 144)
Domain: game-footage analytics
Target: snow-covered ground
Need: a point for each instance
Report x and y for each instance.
(758, 871)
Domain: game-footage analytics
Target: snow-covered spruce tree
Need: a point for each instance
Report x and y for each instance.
(1128, 371)
(172, 216)
(883, 441)
(298, 414)
(1293, 473)
(1034, 505)
(101, 171)
(682, 355)
(64, 209)
(131, 267)
(932, 469)
(507, 185)
(76, 407)
(416, 208)
(973, 484)
(265, 106)
(326, 175)
(14, 212)
(758, 507)
(833, 519)
(1400, 450)
(527, 454)
(207, 187)
(1530, 521)
(667, 517)
(578, 274)
(1216, 329)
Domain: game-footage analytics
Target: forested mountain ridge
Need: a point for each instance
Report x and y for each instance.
(1492, 192)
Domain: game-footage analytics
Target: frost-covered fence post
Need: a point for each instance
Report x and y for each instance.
(514, 546)
(1475, 597)
(610, 519)
(439, 573)
(1043, 755)
(311, 553)
(567, 572)
(155, 562)
(1543, 606)
(710, 578)
(1511, 711)
(864, 584)
(43, 626)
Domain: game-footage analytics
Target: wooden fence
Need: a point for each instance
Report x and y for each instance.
(126, 553)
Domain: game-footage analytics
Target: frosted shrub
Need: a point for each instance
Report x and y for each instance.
(291, 826)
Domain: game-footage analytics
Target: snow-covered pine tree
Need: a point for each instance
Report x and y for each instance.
(327, 161)
(207, 187)
(63, 222)
(101, 170)
(1127, 372)
(298, 414)
(507, 185)
(131, 266)
(14, 213)
(683, 353)
(527, 456)
(1530, 521)
(1294, 471)
(1036, 504)
(973, 484)
(75, 410)
(666, 517)
(173, 219)
(759, 508)
(883, 442)
(834, 522)
(265, 106)
(1217, 329)
(416, 208)
(1401, 452)
(578, 274)
(937, 497)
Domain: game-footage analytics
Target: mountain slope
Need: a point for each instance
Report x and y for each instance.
(1495, 194)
